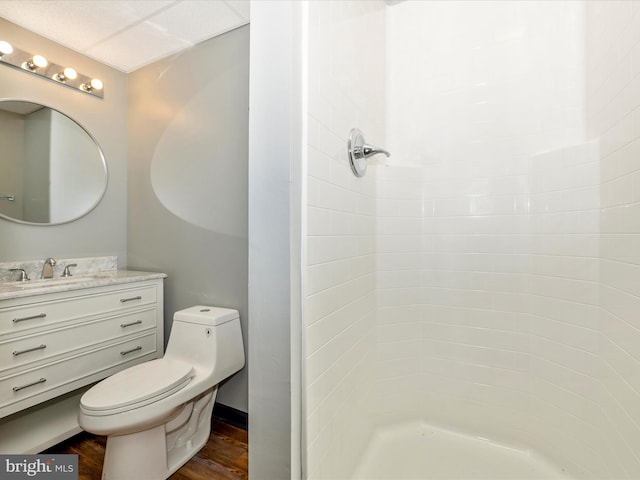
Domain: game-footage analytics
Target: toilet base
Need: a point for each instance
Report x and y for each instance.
(155, 454)
(139, 455)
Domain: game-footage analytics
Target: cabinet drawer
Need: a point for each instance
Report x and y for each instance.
(52, 312)
(24, 350)
(18, 387)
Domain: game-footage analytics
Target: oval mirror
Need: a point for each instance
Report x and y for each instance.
(52, 171)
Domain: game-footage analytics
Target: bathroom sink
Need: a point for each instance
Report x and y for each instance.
(48, 282)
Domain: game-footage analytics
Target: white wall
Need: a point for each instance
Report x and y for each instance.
(507, 281)
(469, 106)
(474, 91)
(613, 107)
(345, 90)
(566, 421)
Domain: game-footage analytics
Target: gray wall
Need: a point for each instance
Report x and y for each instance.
(187, 204)
(102, 231)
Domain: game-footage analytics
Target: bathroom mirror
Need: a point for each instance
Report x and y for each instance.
(52, 171)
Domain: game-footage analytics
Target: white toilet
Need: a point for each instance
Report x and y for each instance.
(157, 415)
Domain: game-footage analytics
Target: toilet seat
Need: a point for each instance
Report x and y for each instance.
(136, 386)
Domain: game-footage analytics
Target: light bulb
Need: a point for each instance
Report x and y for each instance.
(70, 73)
(5, 48)
(39, 61)
(97, 84)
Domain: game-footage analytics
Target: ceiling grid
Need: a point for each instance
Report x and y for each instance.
(127, 34)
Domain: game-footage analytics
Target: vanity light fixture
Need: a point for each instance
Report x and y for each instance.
(39, 65)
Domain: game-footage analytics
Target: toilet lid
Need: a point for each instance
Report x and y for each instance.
(137, 384)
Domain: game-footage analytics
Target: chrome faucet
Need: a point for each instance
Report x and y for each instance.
(47, 268)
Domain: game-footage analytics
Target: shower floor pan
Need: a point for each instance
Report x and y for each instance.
(418, 451)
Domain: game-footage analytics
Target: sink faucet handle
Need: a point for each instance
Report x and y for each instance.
(23, 274)
(66, 272)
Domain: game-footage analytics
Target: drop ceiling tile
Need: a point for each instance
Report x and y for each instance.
(240, 6)
(197, 20)
(78, 24)
(137, 46)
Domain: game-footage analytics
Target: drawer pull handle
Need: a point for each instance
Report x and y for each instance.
(20, 352)
(37, 382)
(125, 325)
(123, 300)
(126, 352)
(32, 317)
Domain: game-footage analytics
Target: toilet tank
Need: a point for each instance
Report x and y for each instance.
(204, 315)
(209, 338)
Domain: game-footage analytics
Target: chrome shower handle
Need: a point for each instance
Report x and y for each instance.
(370, 150)
(358, 152)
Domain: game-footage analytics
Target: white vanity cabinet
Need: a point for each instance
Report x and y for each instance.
(53, 346)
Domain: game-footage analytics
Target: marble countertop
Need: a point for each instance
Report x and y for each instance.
(11, 290)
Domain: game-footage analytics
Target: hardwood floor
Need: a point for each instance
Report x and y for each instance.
(225, 456)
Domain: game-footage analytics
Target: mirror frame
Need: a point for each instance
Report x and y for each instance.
(103, 160)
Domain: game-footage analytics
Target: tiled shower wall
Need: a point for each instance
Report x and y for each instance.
(508, 276)
(345, 90)
(502, 233)
(565, 419)
(488, 229)
(613, 116)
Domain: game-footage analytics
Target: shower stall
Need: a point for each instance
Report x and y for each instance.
(470, 306)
